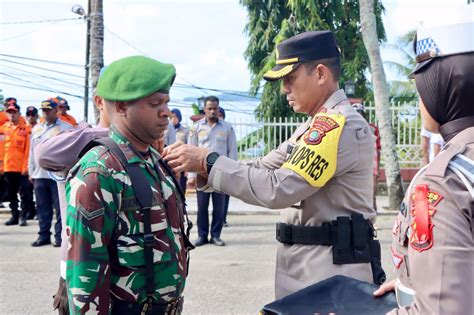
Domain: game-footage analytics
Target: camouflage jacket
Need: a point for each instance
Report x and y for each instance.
(105, 231)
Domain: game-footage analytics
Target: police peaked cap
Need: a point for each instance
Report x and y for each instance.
(441, 41)
(304, 47)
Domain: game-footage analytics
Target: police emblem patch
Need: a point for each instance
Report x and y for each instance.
(423, 203)
(321, 125)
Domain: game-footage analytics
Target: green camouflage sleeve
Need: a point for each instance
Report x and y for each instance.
(91, 215)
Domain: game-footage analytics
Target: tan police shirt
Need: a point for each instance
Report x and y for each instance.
(433, 250)
(269, 183)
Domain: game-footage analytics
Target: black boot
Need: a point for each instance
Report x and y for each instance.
(22, 222)
(12, 221)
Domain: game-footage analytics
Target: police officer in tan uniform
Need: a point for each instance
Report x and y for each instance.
(433, 236)
(325, 167)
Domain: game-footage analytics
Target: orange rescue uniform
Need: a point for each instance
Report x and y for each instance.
(68, 118)
(3, 120)
(17, 146)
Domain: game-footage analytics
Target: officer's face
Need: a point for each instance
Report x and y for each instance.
(32, 118)
(50, 114)
(212, 110)
(174, 119)
(302, 90)
(147, 118)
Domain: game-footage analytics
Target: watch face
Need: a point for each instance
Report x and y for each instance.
(212, 157)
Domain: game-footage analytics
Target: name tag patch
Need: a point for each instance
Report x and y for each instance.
(315, 155)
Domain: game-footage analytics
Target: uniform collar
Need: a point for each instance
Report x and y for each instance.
(204, 121)
(335, 98)
(452, 148)
(128, 150)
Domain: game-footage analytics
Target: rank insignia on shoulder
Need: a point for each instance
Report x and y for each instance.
(423, 203)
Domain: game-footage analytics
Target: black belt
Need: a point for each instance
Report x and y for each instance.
(354, 230)
(306, 235)
(130, 308)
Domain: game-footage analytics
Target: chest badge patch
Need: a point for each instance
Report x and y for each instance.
(423, 208)
(320, 126)
(315, 155)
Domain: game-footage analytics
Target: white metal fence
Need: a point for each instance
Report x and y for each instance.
(256, 138)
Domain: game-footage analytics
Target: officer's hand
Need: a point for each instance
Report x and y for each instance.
(171, 147)
(386, 287)
(187, 158)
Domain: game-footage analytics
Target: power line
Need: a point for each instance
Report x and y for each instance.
(39, 21)
(27, 81)
(39, 89)
(43, 76)
(127, 43)
(43, 60)
(46, 69)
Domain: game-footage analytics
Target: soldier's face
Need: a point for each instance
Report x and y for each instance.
(147, 118)
(302, 90)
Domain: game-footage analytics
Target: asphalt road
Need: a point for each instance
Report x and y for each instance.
(235, 279)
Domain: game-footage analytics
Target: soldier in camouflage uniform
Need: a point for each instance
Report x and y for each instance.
(106, 264)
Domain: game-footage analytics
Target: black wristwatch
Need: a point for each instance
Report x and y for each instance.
(211, 158)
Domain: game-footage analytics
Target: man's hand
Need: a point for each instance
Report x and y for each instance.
(171, 147)
(186, 158)
(385, 287)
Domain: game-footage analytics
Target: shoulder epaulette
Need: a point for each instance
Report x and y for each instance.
(463, 167)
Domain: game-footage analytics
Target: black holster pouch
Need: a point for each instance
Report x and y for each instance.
(351, 238)
(376, 262)
(354, 243)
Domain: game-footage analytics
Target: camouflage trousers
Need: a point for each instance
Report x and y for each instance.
(122, 307)
(60, 298)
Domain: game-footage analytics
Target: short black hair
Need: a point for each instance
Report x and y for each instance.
(211, 98)
(334, 65)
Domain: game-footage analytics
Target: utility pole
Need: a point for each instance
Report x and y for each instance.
(96, 18)
(86, 82)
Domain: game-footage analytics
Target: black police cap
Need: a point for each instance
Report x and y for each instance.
(304, 47)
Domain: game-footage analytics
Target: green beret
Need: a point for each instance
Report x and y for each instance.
(135, 77)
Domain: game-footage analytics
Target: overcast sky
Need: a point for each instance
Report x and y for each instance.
(204, 39)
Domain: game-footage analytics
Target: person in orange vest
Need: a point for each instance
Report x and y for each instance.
(17, 145)
(3, 120)
(63, 108)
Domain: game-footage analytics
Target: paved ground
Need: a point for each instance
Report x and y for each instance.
(236, 279)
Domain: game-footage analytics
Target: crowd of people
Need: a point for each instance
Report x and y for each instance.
(21, 173)
(126, 247)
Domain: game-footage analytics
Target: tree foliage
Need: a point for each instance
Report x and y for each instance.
(272, 21)
(403, 90)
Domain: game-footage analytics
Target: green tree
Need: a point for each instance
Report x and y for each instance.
(404, 89)
(271, 21)
(382, 104)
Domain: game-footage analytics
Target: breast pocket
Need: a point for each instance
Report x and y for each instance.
(131, 240)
